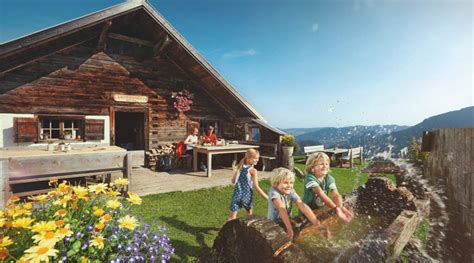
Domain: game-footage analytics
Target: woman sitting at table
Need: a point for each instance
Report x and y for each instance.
(191, 140)
(209, 136)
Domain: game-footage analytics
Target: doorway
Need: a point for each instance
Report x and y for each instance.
(129, 130)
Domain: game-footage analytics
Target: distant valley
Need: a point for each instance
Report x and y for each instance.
(379, 138)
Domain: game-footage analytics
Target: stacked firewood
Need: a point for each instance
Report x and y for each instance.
(153, 155)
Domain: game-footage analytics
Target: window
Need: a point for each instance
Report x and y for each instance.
(61, 128)
(56, 127)
(255, 134)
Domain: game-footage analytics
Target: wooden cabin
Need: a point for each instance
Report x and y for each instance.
(109, 78)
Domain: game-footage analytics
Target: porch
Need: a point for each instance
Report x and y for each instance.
(147, 182)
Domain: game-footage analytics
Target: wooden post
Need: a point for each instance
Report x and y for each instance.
(6, 184)
(127, 169)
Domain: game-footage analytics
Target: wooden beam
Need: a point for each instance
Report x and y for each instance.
(18, 45)
(103, 36)
(161, 46)
(133, 40)
(24, 63)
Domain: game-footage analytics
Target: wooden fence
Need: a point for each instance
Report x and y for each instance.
(450, 165)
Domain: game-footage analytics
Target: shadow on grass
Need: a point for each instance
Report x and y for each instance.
(184, 250)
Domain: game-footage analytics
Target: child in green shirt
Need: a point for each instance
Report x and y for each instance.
(319, 185)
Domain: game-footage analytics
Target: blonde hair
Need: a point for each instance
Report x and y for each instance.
(313, 159)
(248, 154)
(281, 174)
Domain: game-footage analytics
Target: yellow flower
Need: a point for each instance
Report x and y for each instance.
(44, 226)
(23, 260)
(114, 204)
(2, 222)
(84, 259)
(99, 212)
(134, 198)
(99, 227)
(23, 222)
(81, 192)
(7, 224)
(62, 201)
(13, 199)
(53, 193)
(112, 192)
(61, 213)
(5, 241)
(128, 222)
(63, 232)
(59, 222)
(47, 238)
(106, 218)
(74, 205)
(121, 181)
(53, 180)
(63, 187)
(20, 211)
(98, 242)
(38, 198)
(27, 206)
(98, 188)
(40, 253)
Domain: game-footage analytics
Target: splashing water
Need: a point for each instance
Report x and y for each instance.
(345, 237)
(439, 217)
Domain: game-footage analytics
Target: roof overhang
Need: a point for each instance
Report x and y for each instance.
(10, 50)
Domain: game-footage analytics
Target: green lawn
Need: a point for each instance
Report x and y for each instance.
(194, 218)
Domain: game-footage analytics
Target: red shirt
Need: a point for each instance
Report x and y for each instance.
(212, 139)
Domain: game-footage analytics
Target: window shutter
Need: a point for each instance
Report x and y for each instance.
(94, 129)
(26, 129)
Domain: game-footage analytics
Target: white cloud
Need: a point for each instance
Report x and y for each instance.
(314, 27)
(358, 4)
(239, 53)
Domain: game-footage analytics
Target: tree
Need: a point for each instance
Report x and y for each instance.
(415, 154)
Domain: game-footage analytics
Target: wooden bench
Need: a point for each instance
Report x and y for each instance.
(268, 153)
(267, 161)
(354, 154)
(308, 150)
(26, 174)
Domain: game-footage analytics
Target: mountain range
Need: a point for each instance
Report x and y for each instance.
(380, 138)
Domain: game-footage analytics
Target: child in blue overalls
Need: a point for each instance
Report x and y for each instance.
(245, 179)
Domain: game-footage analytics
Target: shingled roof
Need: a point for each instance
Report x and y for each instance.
(26, 49)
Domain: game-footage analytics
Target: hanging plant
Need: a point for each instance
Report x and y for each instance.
(182, 100)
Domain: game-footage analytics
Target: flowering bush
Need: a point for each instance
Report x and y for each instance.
(182, 100)
(79, 224)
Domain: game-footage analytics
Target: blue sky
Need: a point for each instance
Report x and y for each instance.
(313, 63)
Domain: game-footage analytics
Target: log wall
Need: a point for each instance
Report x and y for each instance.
(450, 165)
(81, 80)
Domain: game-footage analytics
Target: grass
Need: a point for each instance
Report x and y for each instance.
(194, 218)
(422, 232)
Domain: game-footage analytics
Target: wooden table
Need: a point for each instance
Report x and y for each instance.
(37, 164)
(337, 152)
(214, 150)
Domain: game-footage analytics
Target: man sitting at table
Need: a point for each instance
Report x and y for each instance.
(209, 136)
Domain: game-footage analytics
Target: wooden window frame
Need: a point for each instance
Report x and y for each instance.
(61, 119)
(251, 128)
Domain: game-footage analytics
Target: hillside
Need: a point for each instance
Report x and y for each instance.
(376, 139)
